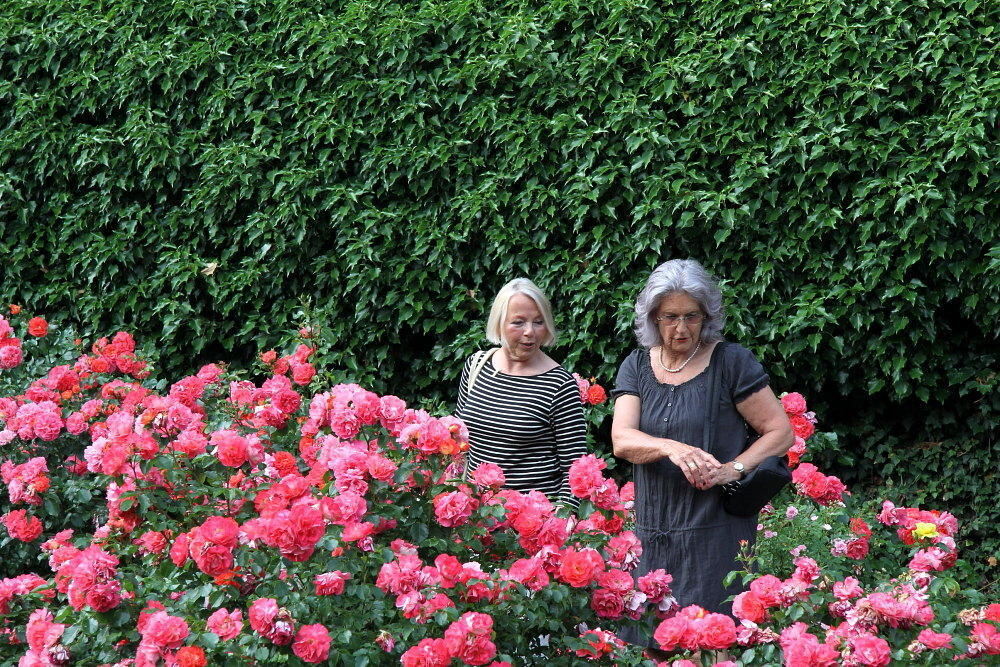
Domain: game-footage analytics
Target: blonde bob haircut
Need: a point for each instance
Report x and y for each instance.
(498, 313)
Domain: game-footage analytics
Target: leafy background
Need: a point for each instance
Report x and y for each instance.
(207, 174)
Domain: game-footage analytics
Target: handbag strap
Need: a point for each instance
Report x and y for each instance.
(479, 360)
(714, 387)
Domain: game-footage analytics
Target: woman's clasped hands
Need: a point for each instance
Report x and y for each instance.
(702, 470)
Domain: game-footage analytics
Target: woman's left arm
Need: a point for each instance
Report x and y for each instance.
(570, 430)
(764, 413)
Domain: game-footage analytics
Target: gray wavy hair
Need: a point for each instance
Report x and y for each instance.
(683, 276)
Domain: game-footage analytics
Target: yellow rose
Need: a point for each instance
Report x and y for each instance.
(924, 529)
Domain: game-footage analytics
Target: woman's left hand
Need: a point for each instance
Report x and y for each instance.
(723, 475)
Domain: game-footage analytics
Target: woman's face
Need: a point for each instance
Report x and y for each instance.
(682, 336)
(524, 329)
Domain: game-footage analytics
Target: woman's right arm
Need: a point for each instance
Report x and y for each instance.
(635, 446)
(629, 442)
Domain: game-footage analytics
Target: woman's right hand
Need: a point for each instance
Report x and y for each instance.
(697, 465)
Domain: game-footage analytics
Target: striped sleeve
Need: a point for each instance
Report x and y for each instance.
(570, 430)
(462, 388)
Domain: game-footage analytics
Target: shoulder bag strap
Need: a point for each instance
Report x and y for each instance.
(714, 391)
(479, 360)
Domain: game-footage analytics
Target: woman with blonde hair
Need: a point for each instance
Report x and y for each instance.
(522, 408)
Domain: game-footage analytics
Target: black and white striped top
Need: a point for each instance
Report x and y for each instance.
(531, 426)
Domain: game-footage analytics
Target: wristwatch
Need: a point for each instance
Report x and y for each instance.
(740, 468)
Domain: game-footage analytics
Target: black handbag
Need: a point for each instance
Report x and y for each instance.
(747, 496)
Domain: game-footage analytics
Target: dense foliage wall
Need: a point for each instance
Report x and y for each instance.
(192, 171)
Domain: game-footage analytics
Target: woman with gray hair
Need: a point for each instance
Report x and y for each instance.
(661, 407)
(522, 408)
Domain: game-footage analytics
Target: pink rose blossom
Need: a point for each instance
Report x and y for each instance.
(330, 583)
(749, 607)
(227, 625)
(529, 572)
(580, 568)
(489, 476)
(427, 653)
(656, 585)
(454, 508)
(302, 374)
(793, 403)
(41, 632)
(673, 633)
(230, 447)
(11, 356)
(312, 643)
(870, 650)
(165, 631)
(607, 603)
(933, 640)
(585, 475)
(262, 614)
(847, 589)
(715, 631)
(22, 526)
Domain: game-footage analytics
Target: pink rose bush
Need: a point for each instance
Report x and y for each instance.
(221, 520)
(843, 589)
(215, 519)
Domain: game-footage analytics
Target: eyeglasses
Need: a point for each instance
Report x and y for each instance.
(673, 320)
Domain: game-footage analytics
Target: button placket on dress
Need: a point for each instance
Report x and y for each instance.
(670, 401)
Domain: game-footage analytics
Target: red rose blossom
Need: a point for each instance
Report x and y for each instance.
(191, 656)
(38, 327)
(580, 568)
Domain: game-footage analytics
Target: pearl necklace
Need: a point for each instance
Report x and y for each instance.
(681, 367)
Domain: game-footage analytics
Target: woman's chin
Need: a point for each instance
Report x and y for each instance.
(523, 354)
(681, 346)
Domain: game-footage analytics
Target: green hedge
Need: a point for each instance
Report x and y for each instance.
(193, 170)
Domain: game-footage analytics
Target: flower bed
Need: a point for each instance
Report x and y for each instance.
(217, 521)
